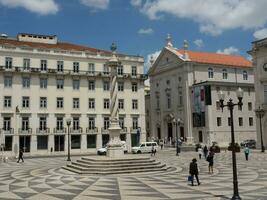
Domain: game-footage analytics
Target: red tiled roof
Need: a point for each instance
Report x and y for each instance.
(59, 45)
(215, 58)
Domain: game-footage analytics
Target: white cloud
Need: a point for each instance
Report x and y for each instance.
(96, 4)
(260, 34)
(148, 59)
(199, 43)
(136, 3)
(42, 7)
(147, 31)
(229, 51)
(213, 17)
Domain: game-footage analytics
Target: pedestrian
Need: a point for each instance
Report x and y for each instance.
(193, 171)
(205, 151)
(20, 156)
(161, 144)
(200, 152)
(246, 151)
(153, 150)
(210, 160)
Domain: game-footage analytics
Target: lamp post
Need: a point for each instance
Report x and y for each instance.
(68, 121)
(176, 123)
(230, 105)
(260, 113)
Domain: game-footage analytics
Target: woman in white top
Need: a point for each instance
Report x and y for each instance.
(200, 152)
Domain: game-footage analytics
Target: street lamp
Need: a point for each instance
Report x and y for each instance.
(177, 123)
(230, 105)
(260, 113)
(68, 121)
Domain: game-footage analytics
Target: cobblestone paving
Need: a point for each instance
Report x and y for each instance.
(42, 179)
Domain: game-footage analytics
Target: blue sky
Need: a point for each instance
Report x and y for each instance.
(139, 27)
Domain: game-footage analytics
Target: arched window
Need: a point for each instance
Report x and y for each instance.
(224, 74)
(245, 75)
(210, 73)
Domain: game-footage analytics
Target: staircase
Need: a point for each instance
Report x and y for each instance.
(106, 166)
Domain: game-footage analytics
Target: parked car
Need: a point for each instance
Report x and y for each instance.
(145, 147)
(103, 150)
(249, 143)
(236, 146)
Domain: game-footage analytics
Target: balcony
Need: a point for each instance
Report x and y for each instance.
(59, 130)
(104, 130)
(124, 130)
(92, 130)
(76, 130)
(42, 130)
(25, 131)
(133, 129)
(7, 131)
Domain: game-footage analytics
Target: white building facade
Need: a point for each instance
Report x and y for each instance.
(184, 85)
(43, 82)
(259, 55)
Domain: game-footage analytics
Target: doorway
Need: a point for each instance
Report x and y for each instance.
(25, 143)
(159, 134)
(170, 130)
(59, 142)
(200, 137)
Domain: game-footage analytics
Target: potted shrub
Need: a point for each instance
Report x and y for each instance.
(197, 146)
(236, 146)
(216, 147)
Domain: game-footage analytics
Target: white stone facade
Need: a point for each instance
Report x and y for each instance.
(43, 84)
(174, 75)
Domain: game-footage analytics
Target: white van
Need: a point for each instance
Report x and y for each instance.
(103, 150)
(145, 147)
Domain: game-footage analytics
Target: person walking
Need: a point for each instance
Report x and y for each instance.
(20, 156)
(205, 150)
(200, 152)
(246, 151)
(193, 171)
(210, 159)
(153, 150)
(161, 144)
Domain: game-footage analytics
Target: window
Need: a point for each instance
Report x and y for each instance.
(42, 142)
(245, 75)
(25, 123)
(25, 102)
(168, 82)
(250, 119)
(60, 126)
(26, 82)
(219, 121)
(158, 103)
(60, 66)
(76, 67)
(91, 103)
(43, 65)
(26, 64)
(218, 105)
(134, 70)
(42, 123)
(43, 83)
(43, 102)
(91, 141)
(265, 94)
(75, 141)
(121, 104)
(168, 100)
(106, 123)
(106, 85)
(60, 102)
(210, 73)
(76, 123)
(135, 122)
(120, 86)
(134, 87)
(8, 143)
(106, 103)
(134, 104)
(7, 101)
(7, 123)
(8, 81)
(8, 63)
(180, 93)
(91, 85)
(76, 103)
(120, 70)
(76, 84)
(105, 69)
(229, 121)
(224, 74)
(60, 83)
(121, 122)
(91, 124)
(91, 68)
(249, 106)
(240, 121)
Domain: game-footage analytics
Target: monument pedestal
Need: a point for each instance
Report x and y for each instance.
(115, 149)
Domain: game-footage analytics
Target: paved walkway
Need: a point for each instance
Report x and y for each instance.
(42, 179)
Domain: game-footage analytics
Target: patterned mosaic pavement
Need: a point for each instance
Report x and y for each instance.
(42, 179)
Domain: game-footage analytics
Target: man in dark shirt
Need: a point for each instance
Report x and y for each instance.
(193, 171)
(20, 156)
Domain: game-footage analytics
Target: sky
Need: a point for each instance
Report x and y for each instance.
(140, 27)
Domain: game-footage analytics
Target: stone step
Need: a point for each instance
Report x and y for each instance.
(118, 162)
(108, 160)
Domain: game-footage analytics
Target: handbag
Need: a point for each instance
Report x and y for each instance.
(189, 178)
